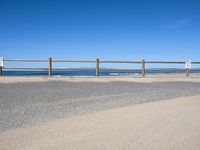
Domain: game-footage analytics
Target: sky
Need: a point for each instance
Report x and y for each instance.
(104, 29)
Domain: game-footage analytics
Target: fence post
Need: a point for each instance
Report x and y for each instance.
(1, 71)
(50, 67)
(143, 68)
(187, 72)
(97, 67)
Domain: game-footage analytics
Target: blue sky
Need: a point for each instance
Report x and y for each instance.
(105, 29)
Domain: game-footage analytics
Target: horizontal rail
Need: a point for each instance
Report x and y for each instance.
(84, 61)
(28, 68)
(108, 61)
(169, 62)
(24, 68)
(73, 68)
(101, 61)
(147, 69)
(125, 69)
(26, 60)
(42, 60)
(167, 70)
(195, 62)
(165, 62)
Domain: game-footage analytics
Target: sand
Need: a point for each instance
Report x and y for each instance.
(149, 78)
(162, 125)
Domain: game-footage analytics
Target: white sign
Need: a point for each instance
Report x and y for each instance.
(188, 64)
(1, 61)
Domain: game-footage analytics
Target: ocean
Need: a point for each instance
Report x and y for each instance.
(92, 72)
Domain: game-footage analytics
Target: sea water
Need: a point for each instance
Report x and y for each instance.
(90, 72)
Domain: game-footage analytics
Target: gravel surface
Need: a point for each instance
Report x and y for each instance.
(25, 104)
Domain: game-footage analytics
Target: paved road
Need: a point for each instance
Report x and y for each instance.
(24, 104)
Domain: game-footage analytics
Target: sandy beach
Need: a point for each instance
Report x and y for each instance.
(163, 125)
(99, 113)
(148, 78)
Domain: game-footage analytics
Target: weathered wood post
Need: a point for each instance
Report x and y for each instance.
(97, 67)
(143, 68)
(1, 70)
(50, 67)
(187, 72)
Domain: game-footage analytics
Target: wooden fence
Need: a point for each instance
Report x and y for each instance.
(50, 61)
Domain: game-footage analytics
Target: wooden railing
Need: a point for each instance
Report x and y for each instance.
(50, 61)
